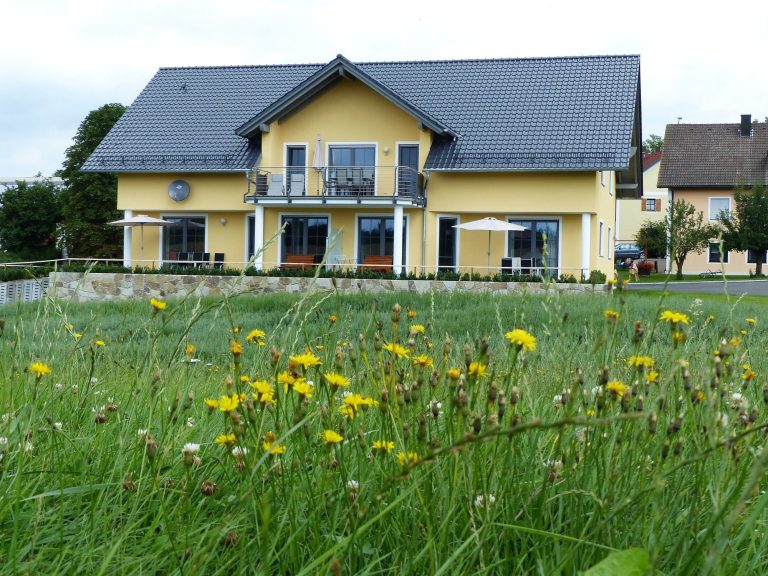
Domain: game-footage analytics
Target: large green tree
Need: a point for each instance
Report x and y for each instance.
(688, 232)
(29, 216)
(652, 237)
(746, 226)
(89, 200)
(654, 143)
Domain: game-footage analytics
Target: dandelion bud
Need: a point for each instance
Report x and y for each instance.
(208, 488)
(377, 345)
(602, 376)
(639, 404)
(128, 484)
(516, 419)
(447, 345)
(421, 433)
(502, 404)
(406, 431)
(514, 396)
(384, 397)
(150, 446)
(714, 383)
(492, 422)
(235, 417)
(579, 377)
(652, 423)
(463, 400)
(674, 426)
(718, 366)
(189, 452)
(484, 346)
(600, 400)
(477, 424)
(753, 414)
(101, 418)
(411, 343)
(396, 310)
(660, 403)
(467, 355)
(435, 408)
(189, 400)
(678, 448)
(433, 378)
(112, 407)
(493, 393)
(274, 356)
(665, 449)
(686, 379)
(765, 393)
(625, 399)
(230, 539)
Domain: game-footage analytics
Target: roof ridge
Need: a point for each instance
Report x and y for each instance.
(502, 59)
(233, 66)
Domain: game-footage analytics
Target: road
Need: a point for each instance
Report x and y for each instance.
(735, 287)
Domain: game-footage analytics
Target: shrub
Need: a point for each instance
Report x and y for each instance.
(597, 277)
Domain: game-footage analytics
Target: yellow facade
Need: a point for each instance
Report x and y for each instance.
(349, 112)
(631, 214)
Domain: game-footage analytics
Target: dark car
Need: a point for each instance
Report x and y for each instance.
(623, 251)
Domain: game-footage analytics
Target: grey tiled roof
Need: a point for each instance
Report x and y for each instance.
(713, 156)
(513, 114)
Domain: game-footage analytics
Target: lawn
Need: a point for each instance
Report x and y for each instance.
(397, 434)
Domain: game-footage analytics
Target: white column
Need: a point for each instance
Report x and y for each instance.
(128, 241)
(258, 237)
(397, 249)
(586, 234)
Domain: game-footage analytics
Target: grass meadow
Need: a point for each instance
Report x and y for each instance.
(385, 434)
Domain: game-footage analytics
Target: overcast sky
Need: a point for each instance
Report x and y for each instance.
(60, 59)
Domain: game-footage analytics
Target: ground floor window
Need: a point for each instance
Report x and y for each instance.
(537, 246)
(376, 236)
(447, 237)
(187, 235)
(753, 255)
(304, 235)
(715, 249)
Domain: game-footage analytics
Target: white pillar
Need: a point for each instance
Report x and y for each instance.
(258, 237)
(128, 242)
(397, 249)
(586, 235)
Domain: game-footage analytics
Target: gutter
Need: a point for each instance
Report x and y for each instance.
(424, 226)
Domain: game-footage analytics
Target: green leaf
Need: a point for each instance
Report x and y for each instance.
(630, 562)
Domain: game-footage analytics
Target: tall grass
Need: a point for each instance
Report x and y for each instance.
(503, 459)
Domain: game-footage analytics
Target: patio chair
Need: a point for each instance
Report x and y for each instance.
(218, 260)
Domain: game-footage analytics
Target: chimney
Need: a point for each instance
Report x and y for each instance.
(746, 125)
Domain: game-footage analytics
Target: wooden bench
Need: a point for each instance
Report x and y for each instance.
(378, 263)
(299, 261)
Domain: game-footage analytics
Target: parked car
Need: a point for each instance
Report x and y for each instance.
(623, 251)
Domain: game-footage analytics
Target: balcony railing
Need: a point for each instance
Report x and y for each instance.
(336, 181)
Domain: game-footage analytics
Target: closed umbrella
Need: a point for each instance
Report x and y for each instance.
(317, 159)
(141, 220)
(490, 224)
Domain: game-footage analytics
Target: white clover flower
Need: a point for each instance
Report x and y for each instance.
(484, 500)
(94, 379)
(58, 386)
(353, 485)
(557, 400)
(7, 417)
(580, 433)
(28, 447)
(57, 425)
(3, 442)
(190, 422)
(596, 390)
(190, 448)
(74, 388)
(738, 401)
(239, 451)
(142, 432)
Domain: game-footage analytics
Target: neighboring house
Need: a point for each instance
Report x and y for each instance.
(631, 213)
(703, 164)
(377, 163)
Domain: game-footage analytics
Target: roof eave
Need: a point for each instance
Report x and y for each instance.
(336, 68)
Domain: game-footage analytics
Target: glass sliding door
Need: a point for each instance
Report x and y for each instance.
(537, 246)
(376, 237)
(351, 170)
(305, 235)
(187, 235)
(296, 172)
(407, 169)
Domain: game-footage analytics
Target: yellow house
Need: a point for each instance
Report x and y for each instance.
(379, 164)
(704, 164)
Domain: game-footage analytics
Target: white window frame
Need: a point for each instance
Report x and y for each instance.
(726, 254)
(610, 241)
(600, 240)
(305, 145)
(709, 206)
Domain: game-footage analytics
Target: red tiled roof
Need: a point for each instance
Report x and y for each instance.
(649, 159)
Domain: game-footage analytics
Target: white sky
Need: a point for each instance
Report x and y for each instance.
(706, 61)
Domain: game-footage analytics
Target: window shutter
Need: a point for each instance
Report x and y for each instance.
(645, 205)
(658, 205)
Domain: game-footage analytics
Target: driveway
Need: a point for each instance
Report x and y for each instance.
(735, 287)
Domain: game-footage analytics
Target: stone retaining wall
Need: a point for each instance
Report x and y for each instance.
(81, 287)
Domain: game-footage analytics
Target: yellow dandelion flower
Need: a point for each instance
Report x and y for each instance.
(652, 377)
(236, 348)
(287, 379)
(640, 361)
(189, 350)
(423, 360)
(336, 380)
(417, 328)
(617, 387)
(331, 437)
(478, 369)
(678, 336)
(411, 314)
(229, 403)
(225, 439)
(611, 314)
(522, 339)
(409, 458)
(212, 404)
(751, 321)
(454, 373)
(99, 343)
(700, 396)
(256, 336)
(306, 360)
(77, 335)
(748, 373)
(265, 392)
(157, 305)
(743, 332)
(735, 341)
(673, 317)
(590, 413)
(39, 369)
(303, 388)
(273, 448)
(710, 318)
(383, 446)
(332, 319)
(347, 411)
(396, 349)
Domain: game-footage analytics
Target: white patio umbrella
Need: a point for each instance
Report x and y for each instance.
(490, 224)
(141, 220)
(317, 159)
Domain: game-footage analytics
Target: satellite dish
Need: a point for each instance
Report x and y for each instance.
(178, 190)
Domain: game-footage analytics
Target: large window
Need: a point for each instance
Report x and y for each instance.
(304, 235)
(351, 170)
(376, 236)
(186, 235)
(537, 246)
(718, 206)
(753, 255)
(352, 156)
(447, 243)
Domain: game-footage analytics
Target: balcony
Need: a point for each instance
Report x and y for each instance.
(337, 185)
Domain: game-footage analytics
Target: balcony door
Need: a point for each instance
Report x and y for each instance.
(187, 235)
(447, 243)
(376, 237)
(296, 171)
(407, 169)
(537, 246)
(352, 169)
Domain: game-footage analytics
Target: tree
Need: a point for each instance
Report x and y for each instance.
(652, 236)
(687, 233)
(746, 227)
(29, 216)
(89, 199)
(654, 143)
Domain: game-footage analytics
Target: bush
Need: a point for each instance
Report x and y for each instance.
(597, 277)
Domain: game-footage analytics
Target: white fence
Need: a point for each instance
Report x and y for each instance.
(23, 290)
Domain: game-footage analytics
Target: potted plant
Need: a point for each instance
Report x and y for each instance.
(644, 267)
